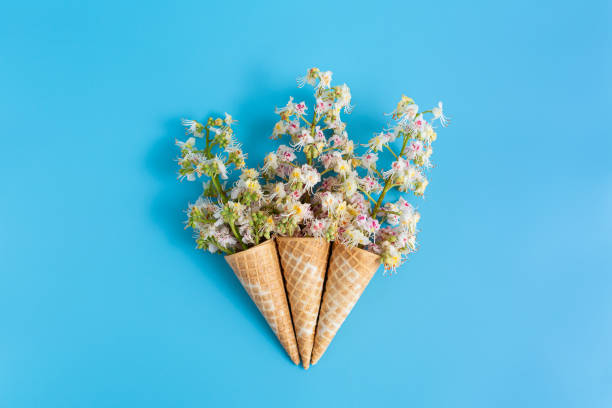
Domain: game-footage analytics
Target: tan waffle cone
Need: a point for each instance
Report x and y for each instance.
(304, 261)
(350, 270)
(259, 272)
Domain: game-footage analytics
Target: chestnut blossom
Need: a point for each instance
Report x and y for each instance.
(311, 77)
(270, 162)
(298, 211)
(344, 98)
(354, 236)
(397, 167)
(295, 176)
(342, 166)
(376, 143)
(317, 228)
(438, 113)
(223, 219)
(310, 177)
(277, 191)
(415, 149)
(288, 109)
(192, 127)
(323, 106)
(186, 145)
(293, 127)
(406, 110)
(391, 257)
(302, 139)
(296, 194)
(329, 191)
(369, 160)
(370, 184)
(329, 201)
(300, 108)
(349, 185)
(418, 124)
(218, 167)
(280, 128)
(325, 79)
(330, 159)
(366, 223)
(286, 153)
(319, 135)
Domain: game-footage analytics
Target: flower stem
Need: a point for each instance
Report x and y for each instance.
(367, 195)
(392, 152)
(391, 212)
(227, 251)
(312, 129)
(233, 228)
(382, 196)
(208, 146)
(215, 178)
(378, 172)
(388, 184)
(219, 188)
(304, 119)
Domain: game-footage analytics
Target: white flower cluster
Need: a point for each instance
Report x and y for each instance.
(195, 163)
(235, 223)
(344, 199)
(315, 184)
(224, 219)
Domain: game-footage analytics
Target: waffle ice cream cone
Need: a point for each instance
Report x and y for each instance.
(258, 270)
(350, 270)
(304, 262)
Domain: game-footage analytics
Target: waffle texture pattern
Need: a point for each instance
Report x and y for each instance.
(258, 270)
(304, 262)
(350, 271)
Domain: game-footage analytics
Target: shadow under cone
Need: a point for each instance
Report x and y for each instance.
(304, 261)
(350, 270)
(259, 272)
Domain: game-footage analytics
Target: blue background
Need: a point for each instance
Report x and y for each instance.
(104, 302)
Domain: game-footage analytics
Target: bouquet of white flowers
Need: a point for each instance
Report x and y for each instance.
(311, 191)
(236, 220)
(331, 194)
(293, 172)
